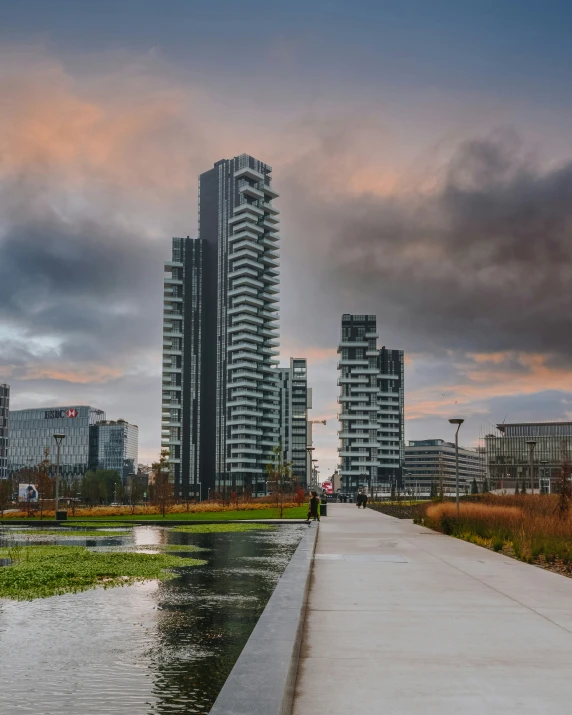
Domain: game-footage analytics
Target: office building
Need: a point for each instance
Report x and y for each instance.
(32, 432)
(117, 447)
(4, 436)
(229, 407)
(507, 454)
(430, 468)
(371, 418)
(295, 430)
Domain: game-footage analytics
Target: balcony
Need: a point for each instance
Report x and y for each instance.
(353, 344)
(248, 190)
(248, 173)
(270, 192)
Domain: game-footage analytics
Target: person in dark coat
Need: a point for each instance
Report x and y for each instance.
(314, 507)
(364, 500)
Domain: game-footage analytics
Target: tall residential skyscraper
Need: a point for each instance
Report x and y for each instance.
(295, 430)
(221, 412)
(4, 414)
(184, 382)
(371, 397)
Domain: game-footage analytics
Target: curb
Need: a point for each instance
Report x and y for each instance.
(263, 679)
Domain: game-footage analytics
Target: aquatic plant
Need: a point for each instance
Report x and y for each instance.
(42, 571)
(219, 528)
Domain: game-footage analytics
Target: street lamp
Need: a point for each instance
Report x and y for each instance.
(531, 445)
(59, 439)
(457, 421)
(309, 450)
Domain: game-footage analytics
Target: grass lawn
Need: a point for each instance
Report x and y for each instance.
(270, 513)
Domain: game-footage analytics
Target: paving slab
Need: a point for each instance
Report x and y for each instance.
(403, 620)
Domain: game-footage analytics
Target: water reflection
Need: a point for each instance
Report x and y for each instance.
(148, 648)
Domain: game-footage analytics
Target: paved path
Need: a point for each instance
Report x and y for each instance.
(402, 620)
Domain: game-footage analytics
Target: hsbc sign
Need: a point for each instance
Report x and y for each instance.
(60, 414)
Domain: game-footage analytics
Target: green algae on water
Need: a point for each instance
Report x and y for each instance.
(219, 528)
(43, 571)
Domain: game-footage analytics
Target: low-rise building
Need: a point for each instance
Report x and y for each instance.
(507, 454)
(430, 467)
(32, 437)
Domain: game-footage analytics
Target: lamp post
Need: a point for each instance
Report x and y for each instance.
(457, 421)
(309, 450)
(531, 445)
(59, 439)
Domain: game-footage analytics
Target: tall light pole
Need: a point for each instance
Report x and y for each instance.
(59, 439)
(457, 421)
(531, 445)
(309, 450)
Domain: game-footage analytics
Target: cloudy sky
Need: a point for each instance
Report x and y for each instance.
(422, 149)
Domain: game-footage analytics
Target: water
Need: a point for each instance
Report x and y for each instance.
(150, 648)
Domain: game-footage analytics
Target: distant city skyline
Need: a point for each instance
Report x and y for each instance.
(422, 151)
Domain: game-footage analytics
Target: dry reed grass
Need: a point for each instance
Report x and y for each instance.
(527, 526)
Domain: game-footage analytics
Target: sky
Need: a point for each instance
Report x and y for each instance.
(422, 150)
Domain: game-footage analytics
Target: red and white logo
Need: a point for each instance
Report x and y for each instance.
(72, 413)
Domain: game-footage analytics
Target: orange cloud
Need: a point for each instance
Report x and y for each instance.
(487, 376)
(88, 374)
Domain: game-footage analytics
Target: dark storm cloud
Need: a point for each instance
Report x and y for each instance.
(483, 263)
(92, 285)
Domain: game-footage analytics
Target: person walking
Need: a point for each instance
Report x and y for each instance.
(364, 500)
(314, 507)
(359, 497)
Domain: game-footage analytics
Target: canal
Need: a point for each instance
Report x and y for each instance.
(153, 647)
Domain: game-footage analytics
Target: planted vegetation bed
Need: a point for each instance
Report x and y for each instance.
(211, 513)
(535, 529)
(220, 528)
(42, 571)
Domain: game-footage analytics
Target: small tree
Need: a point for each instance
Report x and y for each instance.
(299, 496)
(163, 491)
(486, 487)
(474, 487)
(137, 493)
(523, 487)
(45, 482)
(516, 489)
(392, 497)
(280, 476)
(5, 495)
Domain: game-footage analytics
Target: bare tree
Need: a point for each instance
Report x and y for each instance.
(280, 477)
(45, 482)
(163, 492)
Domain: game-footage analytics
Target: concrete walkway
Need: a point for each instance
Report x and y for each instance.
(403, 620)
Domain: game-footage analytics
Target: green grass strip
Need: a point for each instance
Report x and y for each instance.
(219, 528)
(42, 571)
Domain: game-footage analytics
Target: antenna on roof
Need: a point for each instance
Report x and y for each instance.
(505, 418)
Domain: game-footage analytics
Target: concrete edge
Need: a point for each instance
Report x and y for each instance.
(263, 679)
(49, 523)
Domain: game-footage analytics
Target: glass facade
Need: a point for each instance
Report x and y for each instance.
(4, 411)
(32, 437)
(117, 447)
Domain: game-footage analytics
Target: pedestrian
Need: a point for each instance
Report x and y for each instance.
(364, 500)
(358, 499)
(314, 507)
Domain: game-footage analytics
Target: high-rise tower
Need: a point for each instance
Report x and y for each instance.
(220, 384)
(4, 414)
(239, 226)
(371, 398)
